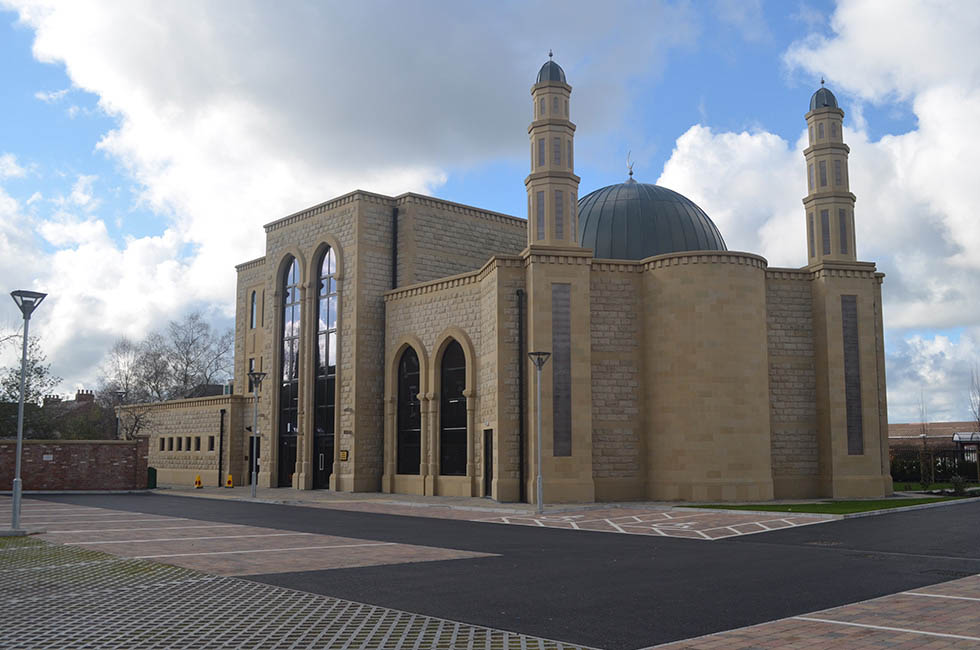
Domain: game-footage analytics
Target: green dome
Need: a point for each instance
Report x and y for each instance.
(633, 221)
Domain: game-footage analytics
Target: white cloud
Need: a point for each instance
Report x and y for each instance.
(917, 201)
(9, 167)
(51, 96)
(232, 114)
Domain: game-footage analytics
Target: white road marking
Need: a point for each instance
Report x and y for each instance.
(92, 514)
(186, 539)
(115, 530)
(262, 550)
(916, 593)
(888, 629)
(110, 521)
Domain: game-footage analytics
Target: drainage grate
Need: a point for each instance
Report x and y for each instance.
(61, 597)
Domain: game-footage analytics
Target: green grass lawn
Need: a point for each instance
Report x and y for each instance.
(830, 507)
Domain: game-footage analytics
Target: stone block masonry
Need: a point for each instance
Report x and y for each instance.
(76, 464)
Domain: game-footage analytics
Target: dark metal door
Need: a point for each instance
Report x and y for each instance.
(487, 462)
(322, 461)
(287, 460)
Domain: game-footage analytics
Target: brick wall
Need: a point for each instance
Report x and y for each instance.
(76, 464)
(792, 378)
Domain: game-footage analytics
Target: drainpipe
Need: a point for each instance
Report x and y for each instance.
(394, 248)
(520, 392)
(221, 445)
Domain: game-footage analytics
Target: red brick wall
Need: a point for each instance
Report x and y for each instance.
(76, 464)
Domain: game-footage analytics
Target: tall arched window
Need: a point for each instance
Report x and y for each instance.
(253, 312)
(409, 415)
(452, 412)
(325, 371)
(289, 373)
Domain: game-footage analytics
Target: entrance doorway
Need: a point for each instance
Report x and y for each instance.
(287, 460)
(322, 461)
(488, 462)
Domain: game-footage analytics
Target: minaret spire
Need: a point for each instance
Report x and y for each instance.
(552, 186)
(829, 202)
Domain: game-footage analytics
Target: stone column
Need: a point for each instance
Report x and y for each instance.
(303, 478)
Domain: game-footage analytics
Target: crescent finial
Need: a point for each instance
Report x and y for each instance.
(629, 165)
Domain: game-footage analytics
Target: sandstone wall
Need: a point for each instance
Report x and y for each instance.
(185, 438)
(792, 383)
(617, 341)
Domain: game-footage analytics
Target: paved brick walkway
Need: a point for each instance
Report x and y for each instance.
(946, 615)
(223, 549)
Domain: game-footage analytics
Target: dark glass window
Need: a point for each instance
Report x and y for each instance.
(210, 443)
(163, 444)
(838, 174)
(541, 109)
(540, 152)
(409, 415)
(825, 230)
(809, 176)
(823, 173)
(325, 371)
(452, 412)
(833, 129)
(253, 312)
(556, 151)
(289, 365)
(820, 131)
(540, 209)
(842, 215)
(812, 253)
(559, 214)
(180, 444)
(569, 153)
(197, 443)
(554, 105)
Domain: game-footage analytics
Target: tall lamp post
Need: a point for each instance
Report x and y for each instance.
(256, 378)
(27, 301)
(539, 359)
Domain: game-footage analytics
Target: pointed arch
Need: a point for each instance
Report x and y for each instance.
(323, 391)
(288, 293)
(454, 383)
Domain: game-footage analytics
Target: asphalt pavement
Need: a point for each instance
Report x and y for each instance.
(611, 590)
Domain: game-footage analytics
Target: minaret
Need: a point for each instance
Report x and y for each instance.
(829, 203)
(552, 186)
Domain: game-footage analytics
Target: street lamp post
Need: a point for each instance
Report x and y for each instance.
(27, 301)
(256, 378)
(539, 359)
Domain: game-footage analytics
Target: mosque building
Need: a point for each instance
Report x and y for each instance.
(395, 334)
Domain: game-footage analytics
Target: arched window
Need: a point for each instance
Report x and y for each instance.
(409, 415)
(452, 412)
(253, 312)
(325, 371)
(289, 373)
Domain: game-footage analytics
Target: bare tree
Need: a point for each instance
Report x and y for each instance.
(168, 364)
(198, 354)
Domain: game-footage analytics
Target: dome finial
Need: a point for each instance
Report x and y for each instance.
(550, 53)
(629, 165)
(821, 80)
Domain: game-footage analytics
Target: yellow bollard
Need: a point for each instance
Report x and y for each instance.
(197, 482)
(229, 482)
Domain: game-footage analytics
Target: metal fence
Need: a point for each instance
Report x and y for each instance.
(933, 465)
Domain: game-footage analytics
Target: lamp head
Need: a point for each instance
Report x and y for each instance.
(256, 377)
(27, 301)
(539, 358)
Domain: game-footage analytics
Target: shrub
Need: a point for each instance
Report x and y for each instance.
(959, 485)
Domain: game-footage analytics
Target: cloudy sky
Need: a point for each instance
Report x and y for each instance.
(143, 144)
